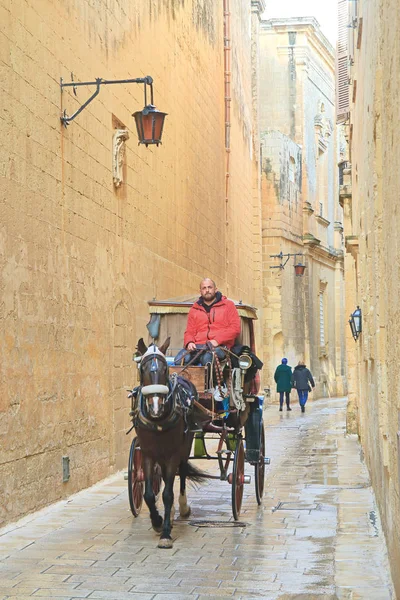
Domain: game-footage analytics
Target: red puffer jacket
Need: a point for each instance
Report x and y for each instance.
(221, 324)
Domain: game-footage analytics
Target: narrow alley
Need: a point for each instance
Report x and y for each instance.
(316, 536)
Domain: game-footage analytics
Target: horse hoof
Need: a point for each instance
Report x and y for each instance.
(185, 514)
(165, 543)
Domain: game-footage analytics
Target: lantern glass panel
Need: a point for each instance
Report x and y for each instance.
(139, 125)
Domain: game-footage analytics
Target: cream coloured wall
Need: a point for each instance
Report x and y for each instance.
(372, 240)
(79, 259)
(297, 102)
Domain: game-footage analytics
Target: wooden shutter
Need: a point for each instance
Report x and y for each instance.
(342, 64)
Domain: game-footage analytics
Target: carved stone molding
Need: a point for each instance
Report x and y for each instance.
(323, 128)
(119, 139)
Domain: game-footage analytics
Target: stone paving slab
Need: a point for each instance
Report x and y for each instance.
(317, 535)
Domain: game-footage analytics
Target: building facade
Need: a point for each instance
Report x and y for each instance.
(302, 316)
(368, 107)
(94, 226)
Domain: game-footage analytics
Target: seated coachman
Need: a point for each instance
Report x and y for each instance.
(213, 323)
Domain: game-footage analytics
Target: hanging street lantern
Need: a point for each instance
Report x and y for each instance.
(149, 125)
(299, 269)
(149, 121)
(355, 323)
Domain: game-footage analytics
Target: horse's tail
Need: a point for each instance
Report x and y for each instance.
(192, 473)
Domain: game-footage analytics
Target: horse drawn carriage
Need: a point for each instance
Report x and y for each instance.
(218, 401)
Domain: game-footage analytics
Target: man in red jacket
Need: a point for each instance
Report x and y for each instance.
(214, 319)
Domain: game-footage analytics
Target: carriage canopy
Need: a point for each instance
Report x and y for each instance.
(169, 318)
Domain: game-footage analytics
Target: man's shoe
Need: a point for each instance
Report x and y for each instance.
(280, 408)
(303, 409)
(288, 408)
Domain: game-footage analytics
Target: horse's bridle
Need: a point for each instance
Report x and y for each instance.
(163, 424)
(156, 388)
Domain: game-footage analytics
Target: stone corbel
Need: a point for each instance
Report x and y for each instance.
(119, 139)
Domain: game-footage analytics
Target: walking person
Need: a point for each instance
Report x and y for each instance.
(301, 380)
(283, 375)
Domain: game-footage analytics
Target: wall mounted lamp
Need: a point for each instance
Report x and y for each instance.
(299, 268)
(355, 323)
(149, 121)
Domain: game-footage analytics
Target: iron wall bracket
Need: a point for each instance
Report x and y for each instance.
(65, 119)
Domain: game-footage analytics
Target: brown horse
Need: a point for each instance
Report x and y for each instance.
(164, 436)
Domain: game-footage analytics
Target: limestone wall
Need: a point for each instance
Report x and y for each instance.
(373, 222)
(79, 257)
(303, 317)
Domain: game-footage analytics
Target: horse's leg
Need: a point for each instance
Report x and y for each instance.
(149, 497)
(184, 508)
(168, 499)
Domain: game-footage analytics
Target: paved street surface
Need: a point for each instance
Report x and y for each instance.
(317, 535)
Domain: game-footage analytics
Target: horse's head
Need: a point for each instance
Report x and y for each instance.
(154, 375)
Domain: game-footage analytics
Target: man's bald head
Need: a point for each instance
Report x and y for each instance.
(208, 290)
(207, 279)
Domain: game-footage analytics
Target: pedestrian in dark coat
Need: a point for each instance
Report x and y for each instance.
(301, 380)
(283, 375)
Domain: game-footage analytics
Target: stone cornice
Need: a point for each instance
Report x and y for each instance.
(338, 226)
(258, 6)
(303, 23)
(310, 240)
(351, 243)
(308, 208)
(323, 221)
(327, 254)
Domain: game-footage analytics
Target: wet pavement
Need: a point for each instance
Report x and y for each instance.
(317, 535)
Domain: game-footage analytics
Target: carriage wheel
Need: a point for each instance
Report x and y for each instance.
(157, 478)
(238, 479)
(260, 467)
(135, 478)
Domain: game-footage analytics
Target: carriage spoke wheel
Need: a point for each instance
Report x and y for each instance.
(135, 478)
(260, 467)
(157, 480)
(238, 479)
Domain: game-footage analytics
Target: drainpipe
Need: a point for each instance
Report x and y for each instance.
(227, 89)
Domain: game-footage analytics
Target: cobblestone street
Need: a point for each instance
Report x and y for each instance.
(316, 536)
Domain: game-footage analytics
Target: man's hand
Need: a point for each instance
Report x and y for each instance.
(214, 343)
(191, 346)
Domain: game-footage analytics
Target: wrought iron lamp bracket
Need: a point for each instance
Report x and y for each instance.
(65, 119)
(281, 256)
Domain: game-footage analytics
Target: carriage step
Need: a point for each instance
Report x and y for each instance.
(267, 461)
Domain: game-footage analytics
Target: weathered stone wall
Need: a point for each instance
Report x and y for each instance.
(373, 215)
(80, 258)
(297, 100)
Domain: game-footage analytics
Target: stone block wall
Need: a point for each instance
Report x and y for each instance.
(373, 226)
(79, 258)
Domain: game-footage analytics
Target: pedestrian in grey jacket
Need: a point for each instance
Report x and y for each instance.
(301, 380)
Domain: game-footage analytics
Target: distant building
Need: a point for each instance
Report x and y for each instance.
(303, 317)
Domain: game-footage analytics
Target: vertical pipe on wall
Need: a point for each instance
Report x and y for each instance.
(227, 90)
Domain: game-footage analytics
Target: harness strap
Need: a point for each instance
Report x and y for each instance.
(196, 356)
